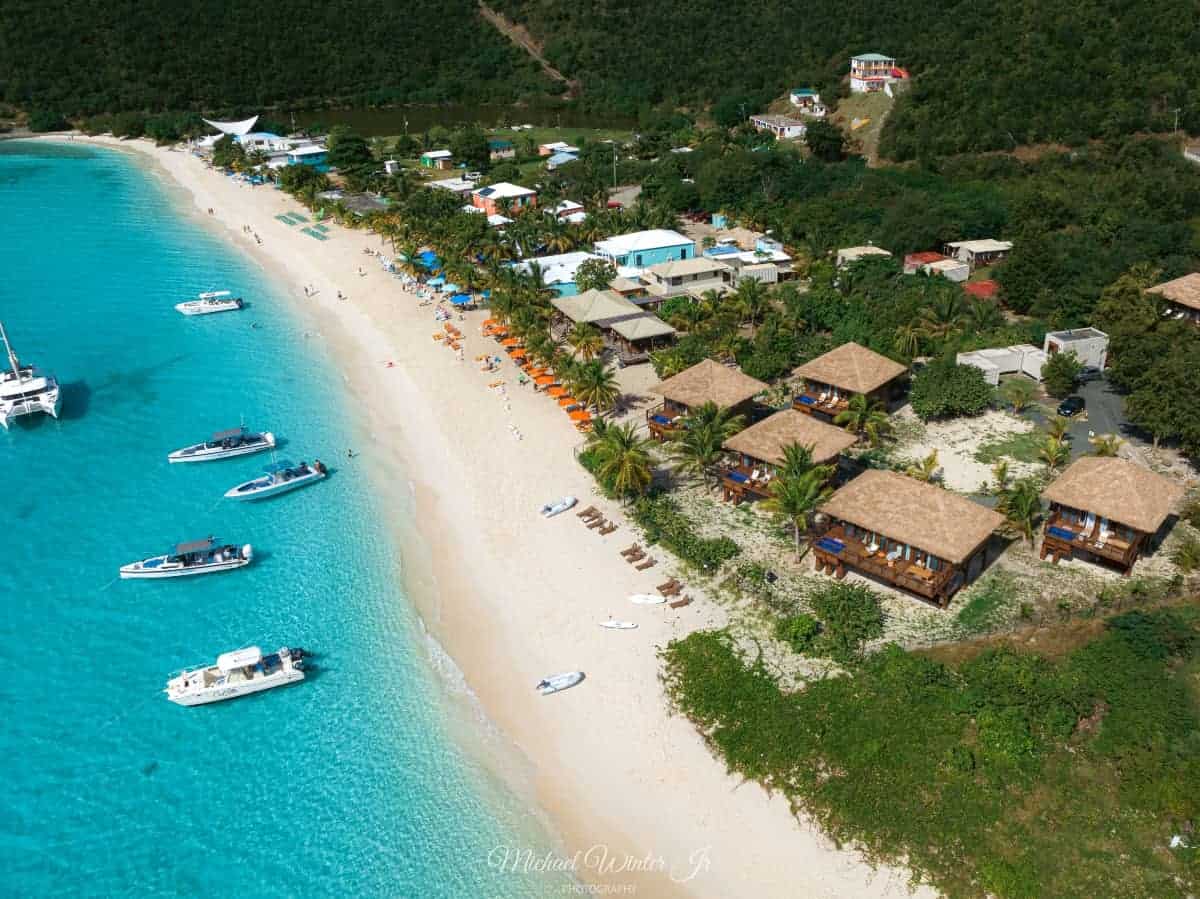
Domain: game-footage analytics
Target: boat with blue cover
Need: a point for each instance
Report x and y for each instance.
(225, 445)
(197, 557)
(280, 477)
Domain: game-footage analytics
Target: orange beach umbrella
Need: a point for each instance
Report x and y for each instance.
(580, 415)
(543, 381)
(518, 353)
(557, 391)
(510, 341)
(568, 401)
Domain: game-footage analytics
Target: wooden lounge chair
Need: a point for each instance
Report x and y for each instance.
(630, 550)
(681, 602)
(649, 563)
(608, 529)
(635, 557)
(596, 522)
(588, 512)
(670, 588)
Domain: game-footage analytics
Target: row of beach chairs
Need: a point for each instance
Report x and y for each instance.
(595, 521)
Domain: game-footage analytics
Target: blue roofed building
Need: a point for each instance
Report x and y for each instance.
(560, 159)
(643, 249)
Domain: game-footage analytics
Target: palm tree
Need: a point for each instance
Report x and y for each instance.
(687, 317)
(668, 363)
(907, 340)
(595, 385)
(623, 460)
(797, 460)
(1018, 393)
(1057, 427)
(1054, 452)
(752, 300)
(1021, 504)
(1106, 444)
(924, 470)
(698, 446)
(586, 340)
(864, 416)
(795, 499)
(945, 318)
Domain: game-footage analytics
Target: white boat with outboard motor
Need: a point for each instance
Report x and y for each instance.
(558, 506)
(237, 673)
(23, 389)
(208, 303)
(647, 599)
(558, 682)
(197, 557)
(225, 445)
(280, 477)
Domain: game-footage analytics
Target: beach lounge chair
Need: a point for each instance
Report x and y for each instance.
(588, 512)
(1089, 525)
(596, 522)
(681, 602)
(635, 557)
(608, 529)
(630, 550)
(649, 563)
(1104, 534)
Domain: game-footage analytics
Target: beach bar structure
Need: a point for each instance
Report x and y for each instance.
(1106, 509)
(832, 379)
(594, 307)
(759, 451)
(705, 382)
(636, 338)
(906, 533)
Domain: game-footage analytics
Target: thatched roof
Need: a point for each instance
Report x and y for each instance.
(595, 306)
(766, 440)
(709, 382)
(1185, 291)
(916, 513)
(642, 327)
(852, 367)
(1116, 489)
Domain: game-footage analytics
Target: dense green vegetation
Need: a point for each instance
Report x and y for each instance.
(78, 57)
(988, 74)
(1010, 774)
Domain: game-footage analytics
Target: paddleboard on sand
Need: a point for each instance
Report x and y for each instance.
(647, 599)
(615, 625)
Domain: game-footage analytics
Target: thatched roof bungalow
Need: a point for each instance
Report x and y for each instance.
(704, 382)
(830, 380)
(760, 450)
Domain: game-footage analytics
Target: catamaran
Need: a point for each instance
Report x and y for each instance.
(208, 303)
(236, 673)
(23, 389)
(225, 445)
(280, 477)
(196, 557)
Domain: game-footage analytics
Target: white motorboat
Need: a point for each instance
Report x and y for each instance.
(614, 625)
(225, 445)
(558, 682)
(197, 557)
(280, 477)
(208, 303)
(647, 599)
(237, 673)
(558, 506)
(23, 389)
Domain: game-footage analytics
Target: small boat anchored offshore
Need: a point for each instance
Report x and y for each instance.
(197, 557)
(558, 682)
(225, 445)
(237, 673)
(23, 389)
(280, 477)
(208, 303)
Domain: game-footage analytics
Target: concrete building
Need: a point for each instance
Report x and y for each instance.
(558, 271)
(643, 249)
(870, 72)
(1089, 345)
(436, 159)
(807, 101)
(855, 254)
(1022, 358)
(459, 186)
(501, 149)
(495, 198)
(979, 252)
(782, 126)
(687, 276)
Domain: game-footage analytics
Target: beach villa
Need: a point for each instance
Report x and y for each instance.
(498, 199)
(643, 249)
(1182, 296)
(557, 271)
(830, 380)
(705, 382)
(501, 149)
(759, 451)
(1105, 508)
(686, 277)
(436, 159)
(906, 533)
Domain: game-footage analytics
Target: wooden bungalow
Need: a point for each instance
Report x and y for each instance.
(760, 449)
(635, 338)
(1106, 508)
(704, 382)
(830, 380)
(906, 533)
(596, 307)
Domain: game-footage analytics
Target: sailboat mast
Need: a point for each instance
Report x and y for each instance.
(12, 357)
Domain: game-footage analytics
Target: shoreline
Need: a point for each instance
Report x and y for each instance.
(512, 597)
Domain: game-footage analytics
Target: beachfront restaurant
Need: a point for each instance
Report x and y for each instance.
(705, 382)
(594, 307)
(905, 533)
(759, 450)
(634, 339)
(1107, 510)
(829, 381)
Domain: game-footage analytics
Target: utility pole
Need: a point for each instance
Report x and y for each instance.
(1178, 109)
(614, 165)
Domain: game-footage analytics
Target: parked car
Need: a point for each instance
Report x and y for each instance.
(1071, 406)
(1090, 373)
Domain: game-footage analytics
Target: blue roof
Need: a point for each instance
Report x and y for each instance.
(562, 158)
(434, 282)
(499, 144)
(486, 191)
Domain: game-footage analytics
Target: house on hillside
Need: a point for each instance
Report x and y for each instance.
(979, 252)
(705, 382)
(760, 451)
(782, 126)
(495, 199)
(807, 101)
(459, 186)
(437, 159)
(936, 264)
(1108, 509)
(642, 249)
(854, 254)
(830, 380)
(870, 72)
(501, 149)
(1182, 296)
(906, 533)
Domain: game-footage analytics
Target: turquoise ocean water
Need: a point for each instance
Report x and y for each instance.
(350, 784)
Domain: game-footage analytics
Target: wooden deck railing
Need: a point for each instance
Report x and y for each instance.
(1060, 545)
(900, 572)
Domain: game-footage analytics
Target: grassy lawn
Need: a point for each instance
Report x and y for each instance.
(872, 106)
(1021, 447)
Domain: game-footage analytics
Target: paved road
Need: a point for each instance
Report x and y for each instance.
(1105, 415)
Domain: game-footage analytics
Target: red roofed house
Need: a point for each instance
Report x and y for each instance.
(496, 197)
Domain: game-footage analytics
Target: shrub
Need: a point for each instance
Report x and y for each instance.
(850, 615)
(944, 389)
(663, 523)
(798, 631)
(1061, 373)
(1186, 554)
(47, 120)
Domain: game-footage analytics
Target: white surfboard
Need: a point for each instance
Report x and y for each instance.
(647, 599)
(613, 624)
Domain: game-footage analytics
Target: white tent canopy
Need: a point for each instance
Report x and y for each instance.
(237, 129)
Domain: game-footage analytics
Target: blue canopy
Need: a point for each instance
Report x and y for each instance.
(451, 288)
(461, 299)
(428, 259)
(434, 282)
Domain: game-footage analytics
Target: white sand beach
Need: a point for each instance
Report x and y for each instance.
(513, 597)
